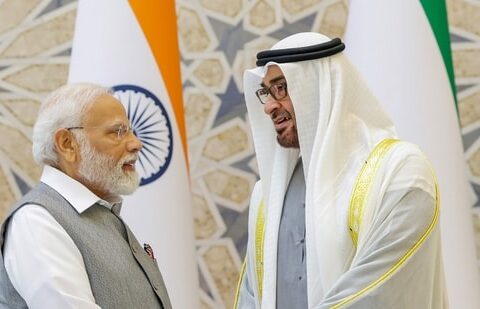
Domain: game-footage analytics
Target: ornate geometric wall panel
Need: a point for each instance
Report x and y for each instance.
(13, 12)
(35, 42)
(464, 16)
(53, 32)
(220, 265)
(218, 40)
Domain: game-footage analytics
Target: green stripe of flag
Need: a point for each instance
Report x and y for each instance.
(436, 11)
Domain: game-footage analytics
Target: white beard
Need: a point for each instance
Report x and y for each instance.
(100, 169)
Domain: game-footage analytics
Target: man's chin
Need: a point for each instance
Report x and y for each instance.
(288, 142)
(288, 138)
(127, 184)
(126, 189)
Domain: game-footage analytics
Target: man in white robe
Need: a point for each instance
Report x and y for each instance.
(372, 237)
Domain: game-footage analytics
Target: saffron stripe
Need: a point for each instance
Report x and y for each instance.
(158, 21)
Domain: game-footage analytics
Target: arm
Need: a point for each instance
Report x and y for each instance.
(43, 263)
(398, 261)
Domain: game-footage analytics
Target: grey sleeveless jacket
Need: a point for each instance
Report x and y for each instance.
(121, 274)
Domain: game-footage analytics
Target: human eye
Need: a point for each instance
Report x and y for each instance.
(281, 86)
(279, 89)
(122, 130)
(117, 131)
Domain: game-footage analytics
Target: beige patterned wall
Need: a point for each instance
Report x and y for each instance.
(31, 65)
(464, 18)
(218, 40)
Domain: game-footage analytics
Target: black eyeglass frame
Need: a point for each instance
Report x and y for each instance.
(269, 92)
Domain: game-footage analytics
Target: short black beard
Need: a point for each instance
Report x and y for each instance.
(291, 142)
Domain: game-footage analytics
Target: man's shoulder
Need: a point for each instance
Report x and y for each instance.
(38, 192)
(405, 153)
(41, 195)
(409, 168)
(408, 148)
(29, 199)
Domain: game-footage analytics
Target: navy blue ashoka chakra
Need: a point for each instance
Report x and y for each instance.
(152, 126)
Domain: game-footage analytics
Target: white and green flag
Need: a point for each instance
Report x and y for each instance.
(402, 48)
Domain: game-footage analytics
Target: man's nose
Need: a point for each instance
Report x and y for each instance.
(270, 105)
(133, 144)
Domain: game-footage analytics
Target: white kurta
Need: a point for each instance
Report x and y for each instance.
(397, 263)
(41, 259)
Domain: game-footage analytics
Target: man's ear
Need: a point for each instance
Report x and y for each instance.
(66, 145)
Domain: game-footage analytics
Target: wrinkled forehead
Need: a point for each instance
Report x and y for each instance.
(106, 110)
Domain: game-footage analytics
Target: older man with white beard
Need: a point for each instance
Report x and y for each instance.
(64, 244)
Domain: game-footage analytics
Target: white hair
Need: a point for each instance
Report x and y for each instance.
(63, 108)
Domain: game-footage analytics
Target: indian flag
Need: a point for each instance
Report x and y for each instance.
(402, 49)
(132, 47)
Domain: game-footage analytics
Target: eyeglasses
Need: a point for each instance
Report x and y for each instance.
(278, 91)
(120, 130)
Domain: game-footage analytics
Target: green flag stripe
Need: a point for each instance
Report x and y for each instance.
(436, 11)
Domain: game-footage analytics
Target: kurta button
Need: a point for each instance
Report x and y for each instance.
(134, 249)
